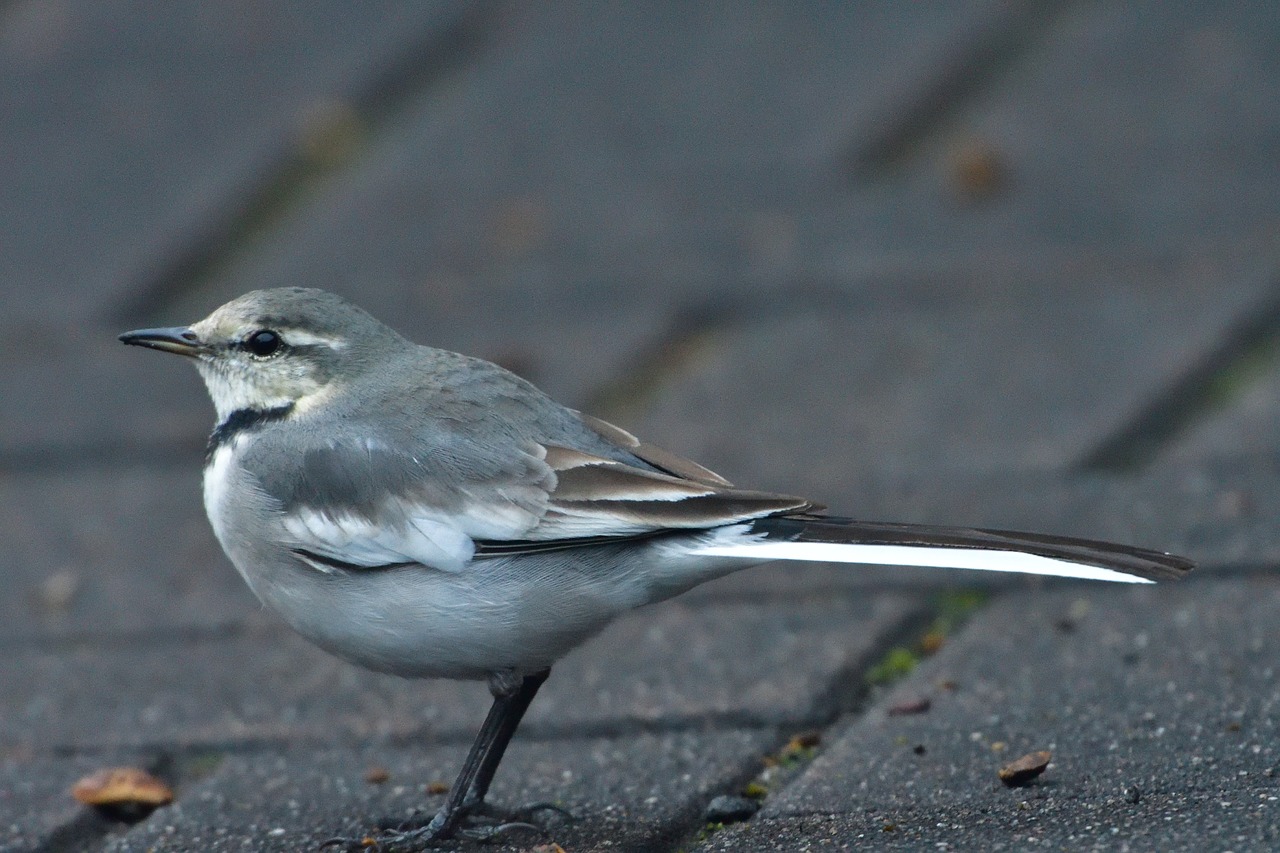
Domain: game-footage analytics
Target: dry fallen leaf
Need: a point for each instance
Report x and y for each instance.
(976, 170)
(1025, 769)
(437, 788)
(377, 775)
(804, 740)
(122, 786)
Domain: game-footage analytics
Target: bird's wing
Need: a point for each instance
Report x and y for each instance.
(362, 504)
(598, 496)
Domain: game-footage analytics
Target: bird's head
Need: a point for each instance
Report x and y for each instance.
(287, 347)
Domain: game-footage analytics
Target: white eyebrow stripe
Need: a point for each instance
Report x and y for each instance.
(300, 338)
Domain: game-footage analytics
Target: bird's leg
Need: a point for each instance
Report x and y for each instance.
(511, 697)
(521, 693)
(473, 803)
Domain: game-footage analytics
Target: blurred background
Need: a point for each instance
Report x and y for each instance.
(911, 259)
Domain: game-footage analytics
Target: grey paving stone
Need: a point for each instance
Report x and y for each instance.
(1122, 125)
(788, 663)
(579, 158)
(131, 133)
(1171, 690)
(77, 396)
(634, 792)
(125, 550)
(593, 170)
(1243, 821)
(1028, 369)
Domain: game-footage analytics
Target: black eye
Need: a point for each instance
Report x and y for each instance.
(263, 343)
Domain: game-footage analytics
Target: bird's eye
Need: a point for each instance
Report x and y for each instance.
(263, 343)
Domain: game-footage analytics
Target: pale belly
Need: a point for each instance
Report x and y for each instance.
(421, 622)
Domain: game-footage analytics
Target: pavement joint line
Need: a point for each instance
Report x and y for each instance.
(101, 456)
(287, 179)
(849, 693)
(106, 639)
(230, 629)
(454, 736)
(1245, 352)
(915, 117)
(1208, 572)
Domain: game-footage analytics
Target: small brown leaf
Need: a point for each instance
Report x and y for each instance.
(437, 788)
(1026, 768)
(932, 642)
(804, 740)
(122, 786)
(377, 775)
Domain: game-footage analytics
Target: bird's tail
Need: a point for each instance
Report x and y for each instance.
(844, 540)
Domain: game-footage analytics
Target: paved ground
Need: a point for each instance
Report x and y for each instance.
(973, 262)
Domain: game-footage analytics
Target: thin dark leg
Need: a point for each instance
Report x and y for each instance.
(519, 703)
(511, 698)
(510, 701)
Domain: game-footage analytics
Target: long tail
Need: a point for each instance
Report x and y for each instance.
(843, 540)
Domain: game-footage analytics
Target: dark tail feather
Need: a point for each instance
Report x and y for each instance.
(834, 539)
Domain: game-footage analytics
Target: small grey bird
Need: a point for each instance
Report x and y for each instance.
(427, 514)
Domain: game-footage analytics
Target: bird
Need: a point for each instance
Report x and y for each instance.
(428, 514)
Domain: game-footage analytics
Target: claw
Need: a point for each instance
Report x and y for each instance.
(490, 833)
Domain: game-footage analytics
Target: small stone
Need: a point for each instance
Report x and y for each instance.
(1026, 768)
(918, 705)
(729, 809)
(377, 775)
(56, 592)
(435, 788)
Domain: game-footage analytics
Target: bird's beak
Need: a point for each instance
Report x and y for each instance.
(178, 339)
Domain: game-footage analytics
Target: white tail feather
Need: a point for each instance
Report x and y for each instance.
(990, 560)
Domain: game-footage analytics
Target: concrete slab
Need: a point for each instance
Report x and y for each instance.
(112, 550)
(78, 397)
(133, 135)
(593, 170)
(1168, 690)
(636, 792)
(1027, 370)
(1142, 124)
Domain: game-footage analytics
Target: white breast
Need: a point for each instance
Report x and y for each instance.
(217, 485)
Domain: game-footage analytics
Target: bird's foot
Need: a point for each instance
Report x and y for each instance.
(470, 822)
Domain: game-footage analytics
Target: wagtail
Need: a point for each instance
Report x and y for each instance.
(427, 514)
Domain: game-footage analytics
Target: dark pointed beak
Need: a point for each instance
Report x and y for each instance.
(178, 339)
